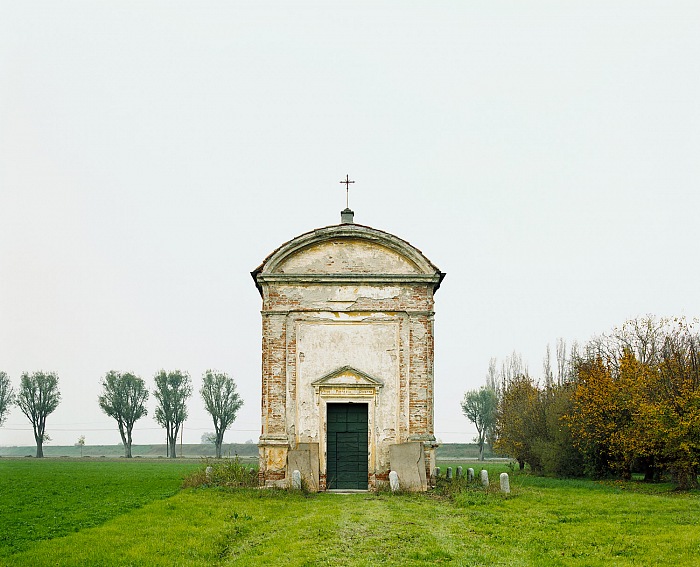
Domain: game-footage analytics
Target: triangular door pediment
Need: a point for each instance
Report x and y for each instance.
(348, 376)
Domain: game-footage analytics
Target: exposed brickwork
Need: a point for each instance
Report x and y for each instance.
(403, 412)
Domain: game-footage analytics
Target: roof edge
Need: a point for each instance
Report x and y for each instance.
(347, 230)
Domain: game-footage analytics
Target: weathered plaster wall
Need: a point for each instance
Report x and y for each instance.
(369, 344)
(349, 255)
(350, 297)
(346, 302)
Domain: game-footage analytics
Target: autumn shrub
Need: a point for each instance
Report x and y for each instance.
(633, 407)
(631, 403)
(515, 419)
(559, 459)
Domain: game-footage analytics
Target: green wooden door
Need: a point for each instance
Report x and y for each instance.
(347, 448)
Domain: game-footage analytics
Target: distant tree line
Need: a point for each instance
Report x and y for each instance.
(124, 396)
(628, 401)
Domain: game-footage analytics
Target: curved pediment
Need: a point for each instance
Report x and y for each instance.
(347, 255)
(347, 249)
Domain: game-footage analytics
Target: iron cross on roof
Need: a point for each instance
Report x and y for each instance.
(347, 183)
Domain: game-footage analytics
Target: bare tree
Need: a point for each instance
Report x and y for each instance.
(7, 396)
(575, 357)
(38, 397)
(562, 364)
(547, 369)
(643, 337)
(492, 380)
(172, 390)
(512, 368)
(124, 398)
(494, 383)
(221, 401)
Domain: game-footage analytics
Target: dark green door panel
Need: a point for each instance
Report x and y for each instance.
(347, 448)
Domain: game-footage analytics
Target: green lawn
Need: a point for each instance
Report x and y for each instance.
(48, 498)
(543, 522)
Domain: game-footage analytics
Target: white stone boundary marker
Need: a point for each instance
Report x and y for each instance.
(208, 471)
(459, 472)
(296, 480)
(485, 478)
(394, 481)
(505, 483)
(449, 473)
(470, 474)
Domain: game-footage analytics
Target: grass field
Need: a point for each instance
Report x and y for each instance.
(148, 451)
(132, 513)
(243, 450)
(48, 498)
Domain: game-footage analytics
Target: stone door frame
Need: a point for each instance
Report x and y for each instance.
(328, 398)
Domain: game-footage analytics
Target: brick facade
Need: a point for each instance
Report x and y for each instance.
(347, 317)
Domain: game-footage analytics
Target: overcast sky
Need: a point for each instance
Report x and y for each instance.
(545, 155)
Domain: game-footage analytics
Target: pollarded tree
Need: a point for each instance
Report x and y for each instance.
(221, 401)
(480, 407)
(7, 396)
(37, 398)
(172, 390)
(124, 398)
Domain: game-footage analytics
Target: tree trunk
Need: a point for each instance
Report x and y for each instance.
(127, 446)
(39, 438)
(172, 442)
(480, 440)
(686, 477)
(650, 470)
(125, 442)
(219, 440)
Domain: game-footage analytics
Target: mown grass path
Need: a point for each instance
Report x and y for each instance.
(544, 522)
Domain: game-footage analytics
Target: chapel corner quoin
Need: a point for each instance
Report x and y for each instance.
(347, 360)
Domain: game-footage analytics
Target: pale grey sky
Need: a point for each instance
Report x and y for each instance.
(544, 154)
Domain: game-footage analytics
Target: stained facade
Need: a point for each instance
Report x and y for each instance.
(347, 357)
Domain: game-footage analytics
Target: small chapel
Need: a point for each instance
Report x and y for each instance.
(347, 360)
